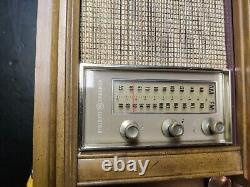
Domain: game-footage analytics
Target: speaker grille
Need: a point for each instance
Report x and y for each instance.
(172, 33)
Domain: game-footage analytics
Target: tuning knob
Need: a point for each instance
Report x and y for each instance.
(129, 130)
(172, 128)
(209, 126)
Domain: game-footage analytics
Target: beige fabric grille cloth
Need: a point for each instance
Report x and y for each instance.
(178, 33)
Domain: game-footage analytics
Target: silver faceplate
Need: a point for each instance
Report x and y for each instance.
(101, 125)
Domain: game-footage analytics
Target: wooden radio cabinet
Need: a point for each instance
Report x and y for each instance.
(57, 159)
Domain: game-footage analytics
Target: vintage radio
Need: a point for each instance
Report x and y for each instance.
(159, 84)
(130, 95)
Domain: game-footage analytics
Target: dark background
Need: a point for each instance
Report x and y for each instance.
(17, 62)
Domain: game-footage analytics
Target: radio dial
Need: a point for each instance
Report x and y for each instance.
(172, 128)
(211, 127)
(129, 130)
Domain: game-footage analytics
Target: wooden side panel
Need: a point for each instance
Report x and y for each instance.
(241, 21)
(45, 94)
(56, 88)
(163, 165)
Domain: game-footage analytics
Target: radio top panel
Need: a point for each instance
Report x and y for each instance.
(132, 108)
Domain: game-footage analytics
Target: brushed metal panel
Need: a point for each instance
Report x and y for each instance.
(100, 126)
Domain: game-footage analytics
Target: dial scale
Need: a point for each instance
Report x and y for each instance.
(122, 107)
(162, 96)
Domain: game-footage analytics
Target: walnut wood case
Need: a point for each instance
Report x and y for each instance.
(56, 160)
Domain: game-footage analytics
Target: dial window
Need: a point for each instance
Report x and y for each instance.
(163, 96)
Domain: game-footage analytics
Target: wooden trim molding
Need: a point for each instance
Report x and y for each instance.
(241, 23)
(56, 89)
(56, 160)
(45, 94)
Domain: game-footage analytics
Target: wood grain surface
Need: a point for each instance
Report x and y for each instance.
(241, 20)
(163, 165)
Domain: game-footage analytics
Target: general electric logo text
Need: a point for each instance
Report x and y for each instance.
(99, 107)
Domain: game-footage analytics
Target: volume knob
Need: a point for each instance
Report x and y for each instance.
(217, 127)
(172, 128)
(129, 130)
(210, 127)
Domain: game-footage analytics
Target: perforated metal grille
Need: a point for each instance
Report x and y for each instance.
(178, 33)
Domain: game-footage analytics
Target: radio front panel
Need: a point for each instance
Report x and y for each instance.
(133, 108)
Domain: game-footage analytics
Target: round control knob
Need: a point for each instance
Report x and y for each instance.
(129, 130)
(209, 126)
(172, 128)
(217, 127)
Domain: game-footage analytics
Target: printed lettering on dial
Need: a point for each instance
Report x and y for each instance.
(159, 96)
